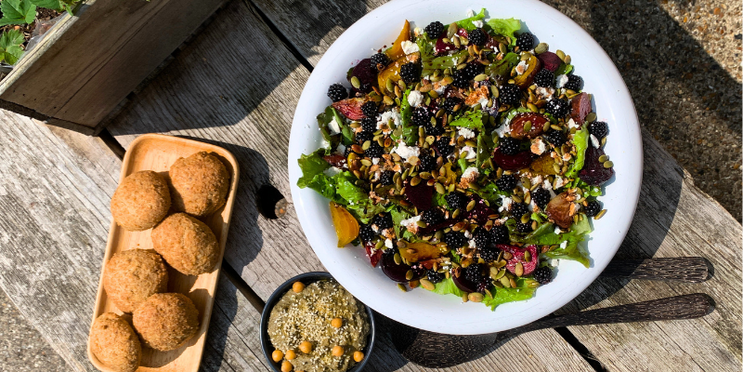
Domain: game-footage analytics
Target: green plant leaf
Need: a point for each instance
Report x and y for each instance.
(49, 4)
(17, 12)
(471, 120)
(10, 46)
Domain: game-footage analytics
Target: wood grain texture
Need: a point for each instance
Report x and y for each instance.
(244, 100)
(683, 269)
(91, 61)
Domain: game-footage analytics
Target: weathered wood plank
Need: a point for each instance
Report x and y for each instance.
(54, 220)
(244, 101)
(90, 62)
(674, 218)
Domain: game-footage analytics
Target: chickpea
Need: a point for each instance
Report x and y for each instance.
(358, 356)
(305, 347)
(337, 350)
(336, 322)
(277, 355)
(286, 366)
(297, 287)
(290, 355)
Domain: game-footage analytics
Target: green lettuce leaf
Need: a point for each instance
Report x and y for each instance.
(447, 286)
(502, 295)
(563, 69)
(443, 62)
(503, 67)
(17, 12)
(491, 193)
(311, 166)
(573, 250)
(409, 131)
(468, 24)
(471, 120)
(580, 139)
(485, 148)
(345, 129)
(506, 27)
(10, 46)
(398, 215)
(49, 4)
(354, 198)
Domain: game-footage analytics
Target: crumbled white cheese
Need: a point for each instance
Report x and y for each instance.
(388, 243)
(572, 124)
(409, 47)
(521, 67)
(332, 171)
(473, 244)
(440, 90)
(538, 147)
(503, 129)
(375, 161)
(563, 244)
(471, 154)
(557, 230)
(483, 101)
(411, 223)
(470, 13)
(466, 133)
(406, 151)
(505, 203)
(559, 182)
(386, 116)
(334, 126)
(595, 141)
(545, 93)
(477, 23)
(467, 234)
(561, 80)
(415, 98)
(548, 186)
(324, 144)
(554, 262)
(418, 31)
(341, 149)
(470, 175)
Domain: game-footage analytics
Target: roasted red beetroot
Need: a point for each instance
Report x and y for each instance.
(367, 75)
(518, 257)
(465, 285)
(480, 212)
(580, 108)
(398, 272)
(336, 160)
(350, 107)
(520, 120)
(420, 195)
(513, 162)
(594, 172)
(373, 257)
(442, 48)
(550, 61)
(429, 230)
(462, 32)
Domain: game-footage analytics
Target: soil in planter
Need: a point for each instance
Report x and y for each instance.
(42, 14)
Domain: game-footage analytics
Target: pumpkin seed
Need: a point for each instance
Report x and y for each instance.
(505, 282)
(401, 287)
(532, 107)
(481, 77)
(425, 283)
(453, 28)
(409, 275)
(541, 48)
(455, 40)
(560, 54)
(518, 270)
(525, 218)
(355, 82)
(366, 162)
(527, 197)
(608, 164)
(513, 283)
(603, 142)
(494, 91)
(567, 60)
(415, 181)
(390, 85)
(440, 188)
(470, 205)
(527, 256)
(500, 274)
(507, 255)
(600, 214)
(516, 198)
(432, 93)
(475, 297)
(527, 126)
(465, 298)
(401, 244)
(421, 224)
(398, 92)
(401, 84)
(590, 117)
(379, 244)
(603, 158)
(388, 100)
(366, 145)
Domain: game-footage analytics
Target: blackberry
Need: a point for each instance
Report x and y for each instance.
(523, 227)
(456, 200)
(433, 129)
(337, 92)
(575, 83)
(380, 61)
(387, 178)
(369, 109)
(541, 197)
(478, 37)
(519, 209)
(449, 104)
(368, 125)
(559, 108)
(488, 254)
(482, 238)
(509, 146)
(499, 234)
(473, 273)
(383, 221)
(525, 41)
(443, 146)
(473, 69)
(427, 163)
(543, 275)
(432, 217)
(421, 116)
(455, 239)
(362, 137)
(366, 233)
(434, 29)
(374, 151)
(592, 208)
(460, 79)
(410, 72)
(545, 78)
(509, 94)
(556, 137)
(484, 284)
(506, 182)
(598, 129)
(435, 276)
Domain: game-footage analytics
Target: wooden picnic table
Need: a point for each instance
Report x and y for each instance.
(236, 85)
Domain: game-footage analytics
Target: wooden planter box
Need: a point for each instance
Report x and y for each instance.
(88, 63)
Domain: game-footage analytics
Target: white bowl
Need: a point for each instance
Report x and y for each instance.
(447, 314)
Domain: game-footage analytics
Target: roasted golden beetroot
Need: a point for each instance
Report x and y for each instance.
(392, 72)
(346, 226)
(415, 252)
(544, 165)
(535, 123)
(525, 79)
(396, 51)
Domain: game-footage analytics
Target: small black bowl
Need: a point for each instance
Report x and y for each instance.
(308, 278)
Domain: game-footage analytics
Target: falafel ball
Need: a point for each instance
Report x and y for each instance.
(200, 183)
(114, 343)
(166, 321)
(186, 244)
(141, 201)
(131, 276)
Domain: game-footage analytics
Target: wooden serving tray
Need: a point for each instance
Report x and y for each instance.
(158, 152)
